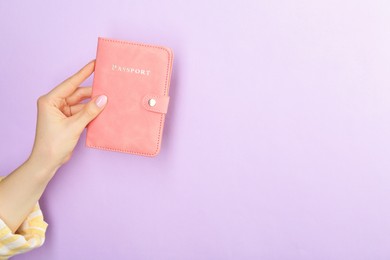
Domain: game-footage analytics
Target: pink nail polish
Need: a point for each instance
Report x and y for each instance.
(101, 100)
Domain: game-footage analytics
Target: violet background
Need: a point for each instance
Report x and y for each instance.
(276, 143)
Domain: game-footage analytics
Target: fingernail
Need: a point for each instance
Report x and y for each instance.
(101, 101)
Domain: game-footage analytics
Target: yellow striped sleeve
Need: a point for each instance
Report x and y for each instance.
(30, 235)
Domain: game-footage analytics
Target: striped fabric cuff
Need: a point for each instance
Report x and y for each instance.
(30, 235)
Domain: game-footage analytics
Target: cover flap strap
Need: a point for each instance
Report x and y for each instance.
(158, 104)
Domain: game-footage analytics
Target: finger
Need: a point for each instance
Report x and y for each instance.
(90, 111)
(68, 86)
(69, 111)
(75, 109)
(79, 95)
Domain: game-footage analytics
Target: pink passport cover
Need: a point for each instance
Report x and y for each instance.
(135, 77)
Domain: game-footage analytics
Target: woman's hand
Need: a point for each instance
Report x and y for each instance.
(62, 119)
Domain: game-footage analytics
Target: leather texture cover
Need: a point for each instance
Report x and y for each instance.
(135, 77)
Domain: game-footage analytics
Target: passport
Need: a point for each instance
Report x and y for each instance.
(135, 77)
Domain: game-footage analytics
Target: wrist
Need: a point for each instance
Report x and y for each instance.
(42, 167)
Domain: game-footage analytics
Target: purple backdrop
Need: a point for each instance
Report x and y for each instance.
(276, 143)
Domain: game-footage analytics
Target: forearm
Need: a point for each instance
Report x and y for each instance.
(21, 190)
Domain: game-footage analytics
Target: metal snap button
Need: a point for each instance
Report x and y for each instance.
(152, 102)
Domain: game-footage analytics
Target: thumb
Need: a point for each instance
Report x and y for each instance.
(91, 110)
